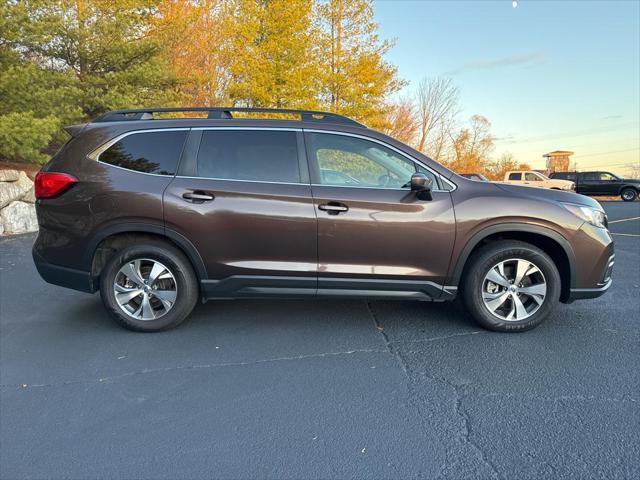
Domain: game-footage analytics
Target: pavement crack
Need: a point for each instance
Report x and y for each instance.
(193, 367)
(388, 343)
(444, 337)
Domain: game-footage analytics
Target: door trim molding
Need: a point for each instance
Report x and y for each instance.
(237, 286)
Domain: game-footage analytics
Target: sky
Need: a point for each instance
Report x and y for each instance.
(549, 75)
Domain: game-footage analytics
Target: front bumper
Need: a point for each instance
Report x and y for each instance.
(603, 285)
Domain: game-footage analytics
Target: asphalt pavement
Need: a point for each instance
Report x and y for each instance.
(319, 389)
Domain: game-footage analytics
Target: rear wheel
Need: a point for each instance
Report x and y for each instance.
(149, 287)
(510, 286)
(628, 194)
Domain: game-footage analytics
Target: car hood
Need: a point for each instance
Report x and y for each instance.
(549, 195)
(631, 180)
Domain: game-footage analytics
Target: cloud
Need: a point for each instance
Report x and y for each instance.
(488, 64)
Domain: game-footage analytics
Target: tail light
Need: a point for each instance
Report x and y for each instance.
(52, 184)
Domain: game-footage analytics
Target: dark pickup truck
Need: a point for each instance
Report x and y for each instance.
(601, 183)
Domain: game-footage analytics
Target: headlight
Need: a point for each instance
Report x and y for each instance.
(592, 215)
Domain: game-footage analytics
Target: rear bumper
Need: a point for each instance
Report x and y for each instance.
(63, 276)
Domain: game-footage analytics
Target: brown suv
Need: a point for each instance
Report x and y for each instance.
(157, 213)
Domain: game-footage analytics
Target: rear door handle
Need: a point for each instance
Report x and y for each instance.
(333, 208)
(197, 197)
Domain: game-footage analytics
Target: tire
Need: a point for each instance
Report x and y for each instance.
(628, 194)
(179, 284)
(475, 286)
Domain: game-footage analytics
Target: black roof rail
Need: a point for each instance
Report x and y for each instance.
(225, 112)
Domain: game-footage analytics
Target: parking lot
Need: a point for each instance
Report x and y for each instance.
(319, 389)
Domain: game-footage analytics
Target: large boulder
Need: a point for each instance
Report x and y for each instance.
(14, 190)
(9, 175)
(18, 217)
(29, 197)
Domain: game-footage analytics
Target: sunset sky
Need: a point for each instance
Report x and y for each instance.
(549, 75)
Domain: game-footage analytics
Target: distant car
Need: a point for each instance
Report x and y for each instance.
(475, 176)
(537, 179)
(602, 183)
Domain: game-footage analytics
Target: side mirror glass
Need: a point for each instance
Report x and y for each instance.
(421, 185)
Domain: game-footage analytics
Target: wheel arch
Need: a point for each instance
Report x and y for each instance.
(94, 262)
(551, 242)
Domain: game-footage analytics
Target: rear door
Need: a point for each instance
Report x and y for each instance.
(591, 183)
(374, 234)
(515, 177)
(242, 197)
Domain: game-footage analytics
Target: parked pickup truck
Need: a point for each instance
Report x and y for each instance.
(537, 179)
(601, 183)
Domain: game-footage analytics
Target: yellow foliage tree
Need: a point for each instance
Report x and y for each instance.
(355, 78)
(273, 55)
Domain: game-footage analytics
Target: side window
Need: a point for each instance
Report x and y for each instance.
(147, 152)
(532, 177)
(349, 161)
(515, 176)
(571, 176)
(607, 177)
(256, 155)
(591, 176)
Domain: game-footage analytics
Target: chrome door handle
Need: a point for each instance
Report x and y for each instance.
(333, 208)
(197, 197)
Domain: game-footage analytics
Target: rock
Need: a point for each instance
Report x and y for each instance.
(1, 228)
(9, 175)
(29, 197)
(10, 191)
(19, 217)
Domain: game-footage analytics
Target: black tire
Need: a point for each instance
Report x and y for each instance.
(628, 194)
(185, 280)
(489, 256)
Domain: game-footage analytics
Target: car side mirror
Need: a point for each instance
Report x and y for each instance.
(421, 185)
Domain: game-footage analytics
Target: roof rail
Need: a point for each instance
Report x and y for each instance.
(224, 113)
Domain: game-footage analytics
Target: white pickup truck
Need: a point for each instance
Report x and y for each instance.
(537, 179)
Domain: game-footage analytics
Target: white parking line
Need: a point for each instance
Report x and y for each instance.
(625, 234)
(624, 220)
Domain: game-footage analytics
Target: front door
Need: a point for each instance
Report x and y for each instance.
(243, 199)
(375, 237)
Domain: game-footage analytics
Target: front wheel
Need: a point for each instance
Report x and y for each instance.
(510, 286)
(149, 287)
(628, 194)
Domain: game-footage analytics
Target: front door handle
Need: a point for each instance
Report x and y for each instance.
(333, 208)
(197, 197)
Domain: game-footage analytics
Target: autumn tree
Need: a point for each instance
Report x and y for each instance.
(472, 146)
(402, 122)
(198, 48)
(496, 170)
(355, 78)
(273, 55)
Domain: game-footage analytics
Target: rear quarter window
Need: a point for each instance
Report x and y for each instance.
(514, 176)
(147, 152)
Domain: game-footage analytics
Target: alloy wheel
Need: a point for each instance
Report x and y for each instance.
(514, 289)
(145, 289)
